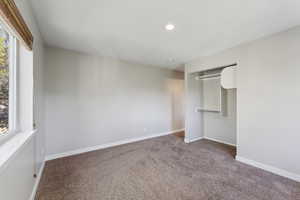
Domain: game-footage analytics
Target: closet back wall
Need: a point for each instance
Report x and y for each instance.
(220, 127)
(92, 101)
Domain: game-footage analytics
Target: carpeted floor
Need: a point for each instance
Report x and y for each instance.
(161, 169)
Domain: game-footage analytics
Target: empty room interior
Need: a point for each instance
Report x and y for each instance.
(149, 100)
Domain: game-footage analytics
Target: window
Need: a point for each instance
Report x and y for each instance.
(7, 81)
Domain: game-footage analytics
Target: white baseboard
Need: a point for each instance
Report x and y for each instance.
(104, 146)
(280, 172)
(208, 138)
(37, 181)
(219, 141)
(192, 140)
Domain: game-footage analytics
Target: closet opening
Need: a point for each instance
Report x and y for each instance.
(213, 99)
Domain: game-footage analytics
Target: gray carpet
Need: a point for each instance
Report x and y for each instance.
(161, 168)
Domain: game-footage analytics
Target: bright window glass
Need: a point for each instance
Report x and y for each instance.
(4, 80)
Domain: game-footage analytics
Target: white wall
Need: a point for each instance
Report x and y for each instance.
(267, 99)
(18, 172)
(16, 178)
(93, 101)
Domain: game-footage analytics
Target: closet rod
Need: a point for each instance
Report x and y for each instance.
(208, 76)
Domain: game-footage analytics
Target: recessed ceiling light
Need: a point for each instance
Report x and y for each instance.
(169, 27)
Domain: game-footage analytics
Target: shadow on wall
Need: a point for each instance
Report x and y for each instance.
(176, 88)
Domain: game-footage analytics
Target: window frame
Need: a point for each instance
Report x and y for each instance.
(12, 82)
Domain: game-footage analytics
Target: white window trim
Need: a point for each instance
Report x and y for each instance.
(13, 141)
(13, 58)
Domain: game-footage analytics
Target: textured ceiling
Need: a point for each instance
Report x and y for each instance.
(133, 30)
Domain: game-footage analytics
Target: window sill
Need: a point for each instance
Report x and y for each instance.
(10, 147)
